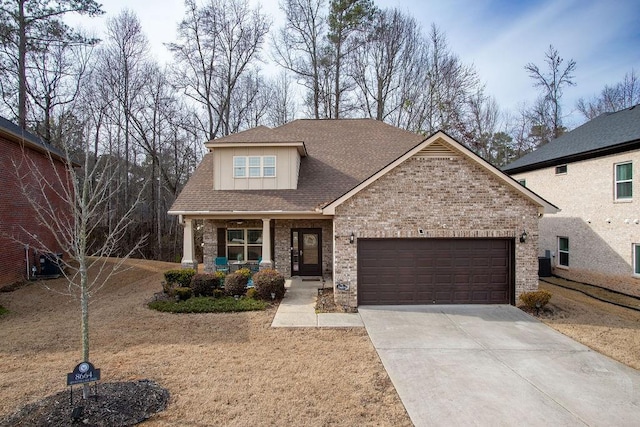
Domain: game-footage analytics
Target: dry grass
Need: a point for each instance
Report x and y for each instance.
(221, 369)
(610, 330)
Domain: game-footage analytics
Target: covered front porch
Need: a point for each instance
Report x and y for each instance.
(293, 246)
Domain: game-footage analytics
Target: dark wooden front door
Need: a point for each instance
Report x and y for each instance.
(435, 271)
(306, 252)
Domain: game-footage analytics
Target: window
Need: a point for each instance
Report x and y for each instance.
(244, 244)
(239, 167)
(522, 182)
(624, 181)
(636, 259)
(254, 166)
(563, 251)
(560, 170)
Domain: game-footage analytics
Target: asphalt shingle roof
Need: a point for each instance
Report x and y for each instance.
(22, 135)
(341, 154)
(606, 132)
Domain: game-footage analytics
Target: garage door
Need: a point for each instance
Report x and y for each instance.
(434, 271)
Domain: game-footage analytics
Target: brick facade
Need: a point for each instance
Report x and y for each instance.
(281, 237)
(16, 214)
(601, 230)
(446, 198)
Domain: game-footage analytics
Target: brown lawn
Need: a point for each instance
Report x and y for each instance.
(604, 327)
(221, 369)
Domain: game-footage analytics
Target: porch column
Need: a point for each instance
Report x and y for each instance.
(266, 244)
(188, 246)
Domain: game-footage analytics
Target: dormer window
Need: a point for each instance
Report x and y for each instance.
(254, 166)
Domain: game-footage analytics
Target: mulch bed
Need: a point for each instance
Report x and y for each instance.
(116, 404)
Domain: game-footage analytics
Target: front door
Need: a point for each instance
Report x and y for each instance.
(306, 252)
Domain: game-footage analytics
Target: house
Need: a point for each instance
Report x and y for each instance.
(20, 153)
(391, 216)
(591, 174)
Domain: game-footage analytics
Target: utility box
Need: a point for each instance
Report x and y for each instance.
(50, 264)
(544, 266)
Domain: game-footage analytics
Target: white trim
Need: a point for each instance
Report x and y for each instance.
(616, 181)
(299, 145)
(544, 206)
(568, 252)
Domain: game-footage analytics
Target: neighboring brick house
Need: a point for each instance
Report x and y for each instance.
(390, 216)
(21, 153)
(591, 174)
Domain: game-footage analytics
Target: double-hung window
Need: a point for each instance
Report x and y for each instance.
(244, 244)
(254, 166)
(563, 251)
(624, 181)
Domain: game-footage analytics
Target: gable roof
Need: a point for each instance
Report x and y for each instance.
(440, 144)
(608, 133)
(15, 133)
(345, 156)
(341, 154)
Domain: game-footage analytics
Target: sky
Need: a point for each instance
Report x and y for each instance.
(498, 37)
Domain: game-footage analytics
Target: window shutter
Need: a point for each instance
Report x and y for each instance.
(222, 242)
(273, 246)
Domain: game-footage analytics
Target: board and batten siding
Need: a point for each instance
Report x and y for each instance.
(287, 169)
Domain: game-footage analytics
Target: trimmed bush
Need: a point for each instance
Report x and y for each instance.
(179, 277)
(183, 293)
(245, 272)
(203, 285)
(269, 281)
(252, 293)
(220, 275)
(536, 299)
(235, 284)
(208, 305)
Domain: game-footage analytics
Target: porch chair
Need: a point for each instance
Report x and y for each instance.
(222, 264)
(255, 267)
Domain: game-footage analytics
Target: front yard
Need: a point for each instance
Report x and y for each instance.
(221, 369)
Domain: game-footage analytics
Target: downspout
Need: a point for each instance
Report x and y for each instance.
(26, 258)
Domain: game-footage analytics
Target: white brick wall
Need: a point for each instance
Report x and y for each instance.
(601, 231)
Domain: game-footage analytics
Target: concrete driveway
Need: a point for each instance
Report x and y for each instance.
(497, 366)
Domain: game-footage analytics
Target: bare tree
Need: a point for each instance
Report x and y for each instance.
(624, 94)
(552, 81)
(29, 25)
(82, 189)
(299, 46)
(219, 43)
(283, 104)
(385, 65)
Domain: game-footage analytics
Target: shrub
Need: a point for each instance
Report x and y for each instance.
(180, 277)
(252, 293)
(269, 281)
(220, 275)
(245, 272)
(204, 284)
(536, 299)
(208, 305)
(218, 293)
(183, 293)
(168, 288)
(235, 284)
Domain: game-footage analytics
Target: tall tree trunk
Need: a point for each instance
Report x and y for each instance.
(22, 66)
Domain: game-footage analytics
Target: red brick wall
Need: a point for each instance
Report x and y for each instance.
(16, 212)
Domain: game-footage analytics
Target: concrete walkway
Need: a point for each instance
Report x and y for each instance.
(497, 366)
(298, 308)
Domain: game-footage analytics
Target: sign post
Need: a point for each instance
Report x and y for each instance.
(83, 373)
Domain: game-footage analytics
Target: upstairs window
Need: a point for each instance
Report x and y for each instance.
(561, 170)
(254, 166)
(624, 181)
(636, 259)
(563, 251)
(239, 167)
